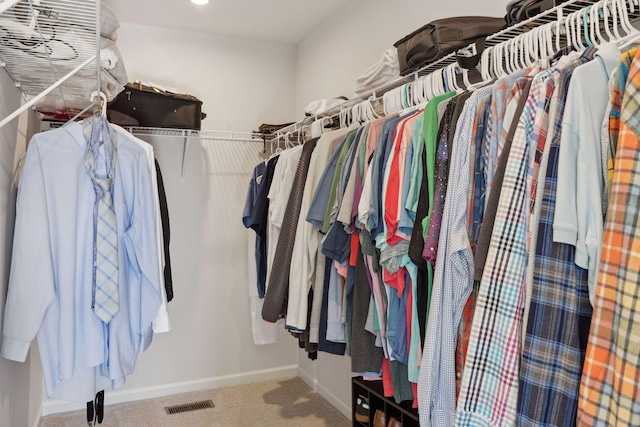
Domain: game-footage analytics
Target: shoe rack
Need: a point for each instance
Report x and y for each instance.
(403, 412)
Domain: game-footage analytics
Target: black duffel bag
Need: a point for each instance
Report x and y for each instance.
(521, 10)
(153, 107)
(442, 37)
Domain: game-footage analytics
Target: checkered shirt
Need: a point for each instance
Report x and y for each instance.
(559, 311)
(452, 283)
(610, 386)
(488, 395)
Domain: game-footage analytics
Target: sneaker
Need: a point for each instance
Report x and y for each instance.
(362, 409)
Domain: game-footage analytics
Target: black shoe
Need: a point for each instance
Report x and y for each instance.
(362, 409)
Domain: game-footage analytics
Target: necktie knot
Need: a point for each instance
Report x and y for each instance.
(105, 185)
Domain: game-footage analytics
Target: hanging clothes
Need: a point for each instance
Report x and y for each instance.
(446, 267)
(51, 265)
(608, 389)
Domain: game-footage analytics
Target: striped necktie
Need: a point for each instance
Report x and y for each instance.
(106, 302)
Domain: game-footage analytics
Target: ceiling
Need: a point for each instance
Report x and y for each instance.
(287, 21)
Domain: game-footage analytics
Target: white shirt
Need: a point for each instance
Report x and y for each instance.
(305, 248)
(278, 197)
(161, 323)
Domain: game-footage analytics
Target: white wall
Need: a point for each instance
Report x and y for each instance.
(20, 383)
(328, 62)
(242, 82)
(331, 58)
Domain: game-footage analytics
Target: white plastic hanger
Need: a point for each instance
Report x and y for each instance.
(613, 8)
(426, 86)
(496, 60)
(438, 81)
(623, 13)
(418, 91)
(606, 10)
(577, 28)
(632, 35)
(278, 150)
(485, 62)
(531, 44)
(102, 99)
(510, 66)
(525, 50)
(449, 74)
(594, 16)
(548, 36)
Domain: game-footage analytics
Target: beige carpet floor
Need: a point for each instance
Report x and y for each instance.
(279, 403)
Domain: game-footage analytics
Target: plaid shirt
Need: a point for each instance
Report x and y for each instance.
(488, 395)
(475, 215)
(613, 128)
(477, 191)
(494, 139)
(559, 312)
(610, 386)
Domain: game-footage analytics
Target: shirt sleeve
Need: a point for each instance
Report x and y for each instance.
(161, 323)
(565, 219)
(141, 242)
(31, 281)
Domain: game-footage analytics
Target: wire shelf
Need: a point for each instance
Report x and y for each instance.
(41, 41)
(548, 16)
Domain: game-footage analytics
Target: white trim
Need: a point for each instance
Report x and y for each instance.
(309, 379)
(120, 396)
(344, 408)
(341, 406)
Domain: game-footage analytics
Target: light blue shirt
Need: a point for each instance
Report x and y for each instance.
(335, 327)
(50, 286)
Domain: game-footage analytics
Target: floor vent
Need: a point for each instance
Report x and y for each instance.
(188, 407)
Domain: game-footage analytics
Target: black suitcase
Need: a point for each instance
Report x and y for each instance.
(153, 107)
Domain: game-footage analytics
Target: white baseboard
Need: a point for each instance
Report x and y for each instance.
(307, 378)
(120, 396)
(337, 403)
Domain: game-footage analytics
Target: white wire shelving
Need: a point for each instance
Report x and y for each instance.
(555, 14)
(50, 48)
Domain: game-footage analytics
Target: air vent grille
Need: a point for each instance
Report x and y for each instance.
(188, 407)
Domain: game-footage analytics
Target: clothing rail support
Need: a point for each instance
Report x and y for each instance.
(185, 149)
(98, 64)
(5, 5)
(44, 93)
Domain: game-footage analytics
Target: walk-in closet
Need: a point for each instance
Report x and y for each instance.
(319, 213)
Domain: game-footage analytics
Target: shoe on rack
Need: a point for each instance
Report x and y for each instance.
(379, 420)
(393, 422)
(362, 409)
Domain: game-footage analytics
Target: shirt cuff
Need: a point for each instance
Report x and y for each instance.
(314, 334)
(14, 349)
(162, 324)
(565, 235)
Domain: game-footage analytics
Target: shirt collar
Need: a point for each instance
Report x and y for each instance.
(78, 132)
(608, 54)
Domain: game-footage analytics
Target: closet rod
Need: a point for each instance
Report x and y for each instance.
(212, 135)
(47, 91)
(494, 39)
